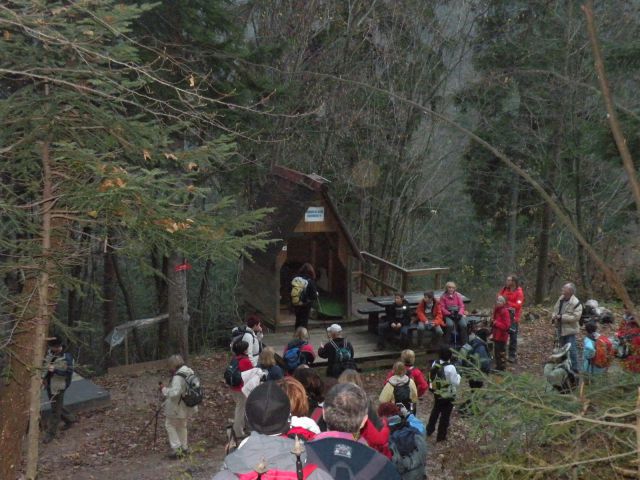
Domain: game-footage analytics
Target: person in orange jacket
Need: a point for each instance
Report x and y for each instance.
(430, 319)
(513, 294)
(500, 332)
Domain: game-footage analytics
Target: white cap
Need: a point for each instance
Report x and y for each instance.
(335, 328)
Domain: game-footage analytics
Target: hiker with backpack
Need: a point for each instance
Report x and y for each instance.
(408, 358)
(429, 315)
(397, 319)
(240, 362)
(476, 362)
(267, 452)
(338, 352)
(298, 351)
(339, 451)
(514, 296)
(444, 381)
(178, 405)
(500, 332)
(407, 441)
(252, 334)
(304, 293)
(598, 352)
(566, 316)
(56, 378)
(400, 388)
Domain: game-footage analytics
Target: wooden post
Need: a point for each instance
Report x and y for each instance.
(404, 285)
(437, 281)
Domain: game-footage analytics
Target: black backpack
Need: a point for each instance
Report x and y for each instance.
(195, 393)
(402, 394)
(232, 375)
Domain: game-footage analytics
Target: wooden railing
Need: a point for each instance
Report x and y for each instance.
(388, 272)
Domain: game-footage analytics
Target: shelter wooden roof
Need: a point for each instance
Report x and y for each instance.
(290, 193)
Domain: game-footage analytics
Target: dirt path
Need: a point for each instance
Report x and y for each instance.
(111, 443)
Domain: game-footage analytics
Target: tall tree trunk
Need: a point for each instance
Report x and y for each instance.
(198, 316)
(177, 307)
(109, 299)
(513, 224)
(582, 260)
(543, 254)
(130, 309)
(161, 264)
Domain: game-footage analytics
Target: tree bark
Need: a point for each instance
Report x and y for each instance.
(542, 272)
(177, 306)
(162, 265)
(203, 295)
(513, 224)
(109, 300)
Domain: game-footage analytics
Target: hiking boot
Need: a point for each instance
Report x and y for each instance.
(512, 359)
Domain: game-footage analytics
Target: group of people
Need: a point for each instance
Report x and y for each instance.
(330, 428)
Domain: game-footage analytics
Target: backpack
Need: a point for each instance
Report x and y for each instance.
(343, 354)
(409, 451)
(402, 394)
(194, 394)
(232, 374)
(604, 353)
(238, 332)
(438, 383)
(299, 291)
(293, 358)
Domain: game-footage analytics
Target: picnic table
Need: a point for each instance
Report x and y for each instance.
(378, 305)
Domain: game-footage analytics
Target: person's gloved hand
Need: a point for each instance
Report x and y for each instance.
(403, 410)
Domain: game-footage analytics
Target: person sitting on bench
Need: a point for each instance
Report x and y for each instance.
(397, 320)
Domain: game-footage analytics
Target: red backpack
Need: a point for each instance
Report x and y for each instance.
(278, 474)
(604, 353)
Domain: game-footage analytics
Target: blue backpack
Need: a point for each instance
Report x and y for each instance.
(293, 358)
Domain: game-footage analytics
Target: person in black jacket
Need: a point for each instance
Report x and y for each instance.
(307, 297)
(56, 378)
(335, 351)
(397, 319)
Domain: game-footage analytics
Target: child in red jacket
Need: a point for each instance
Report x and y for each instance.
(408, 357)
(500, 332)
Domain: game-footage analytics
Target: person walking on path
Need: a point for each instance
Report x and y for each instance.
(239, 349)
(176, 412)
(56, 378)
(566, 316)
(513, 294)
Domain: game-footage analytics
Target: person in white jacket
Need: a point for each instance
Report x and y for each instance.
(253, 336)
(175, 411)
(444, 381)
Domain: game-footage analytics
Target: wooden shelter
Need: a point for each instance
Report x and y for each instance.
(309, 229)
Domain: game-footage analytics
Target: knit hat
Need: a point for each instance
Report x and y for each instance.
(334, 328)
(268, 409)
(252, 321)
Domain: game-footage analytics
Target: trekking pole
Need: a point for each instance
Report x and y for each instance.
(154, 419)
(298, 450)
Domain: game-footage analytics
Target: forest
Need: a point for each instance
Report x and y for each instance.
(492, 137)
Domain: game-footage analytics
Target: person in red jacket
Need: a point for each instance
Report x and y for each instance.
(239, 349)
(408, 357)
(430, 318)
(500, 332)
(513, 294)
